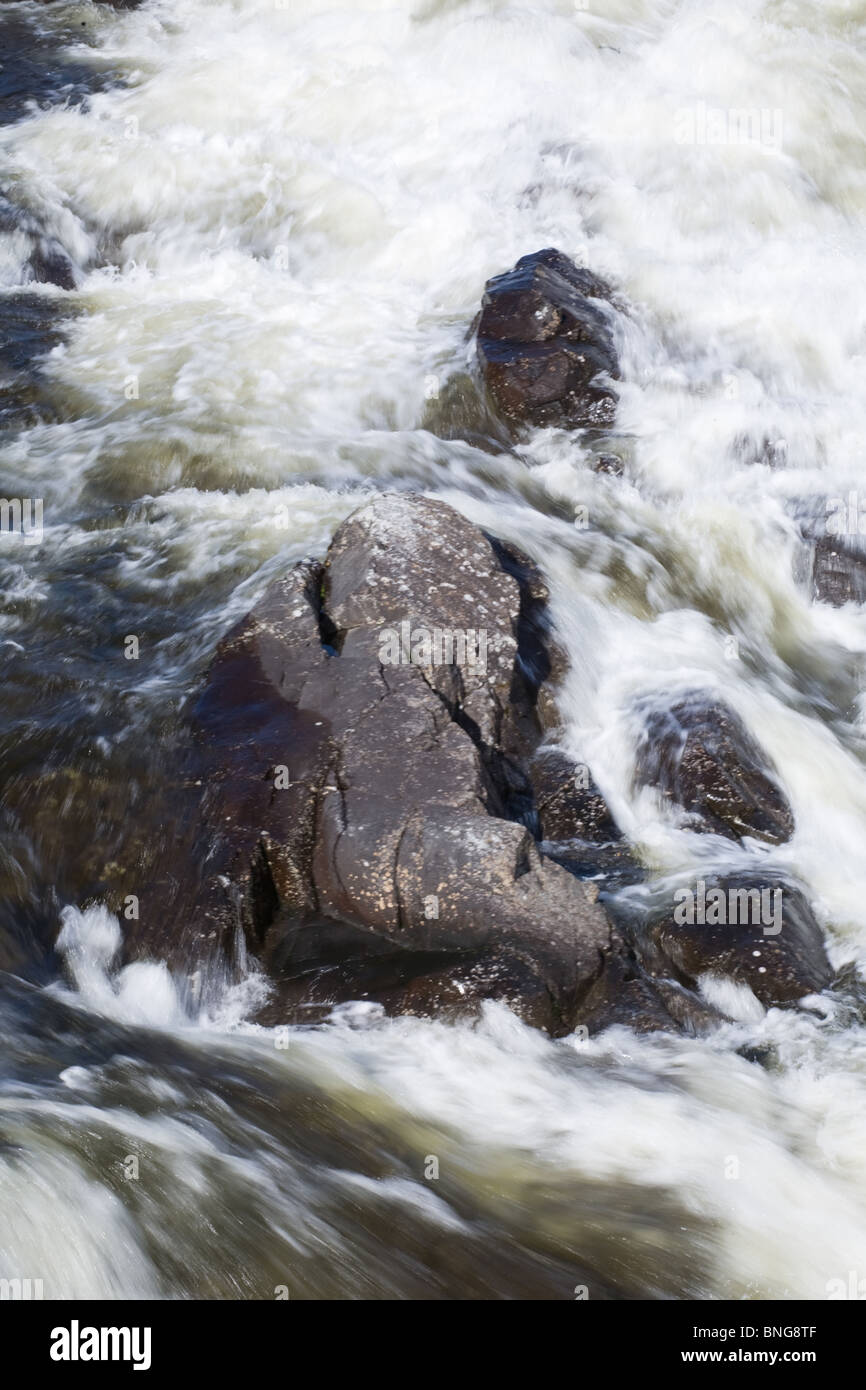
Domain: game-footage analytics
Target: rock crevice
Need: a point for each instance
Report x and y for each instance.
(399, 816)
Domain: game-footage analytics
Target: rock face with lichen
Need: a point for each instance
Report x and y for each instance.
(545, 344)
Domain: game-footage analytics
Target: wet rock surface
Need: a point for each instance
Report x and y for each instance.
(630, 993)
(758, 930)
(359, 785)
(838, 571)
(544, 339)
(700, 757)
(568, 803)
(389, 821)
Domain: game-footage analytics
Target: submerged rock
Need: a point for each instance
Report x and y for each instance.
(50, 265)
(544, 340)
(755, 929)
(700, 756)
(830, 557)
(610, 464)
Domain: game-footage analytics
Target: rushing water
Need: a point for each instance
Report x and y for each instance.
(274, 222)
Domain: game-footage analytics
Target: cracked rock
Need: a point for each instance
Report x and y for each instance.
(383, 811)
(368, 788)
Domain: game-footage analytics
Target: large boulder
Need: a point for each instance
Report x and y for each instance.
(383, 814)
(369, 725)
(699, 755)
(545, 344)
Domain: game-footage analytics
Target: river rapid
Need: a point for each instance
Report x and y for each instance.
(272, 221)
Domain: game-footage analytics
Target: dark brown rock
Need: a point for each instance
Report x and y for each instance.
(350, 790)
(767, 938)
(568, 803)
(544, 340)
(325, 962)
(370, 806)
(625, 995)
(610, 464)
(838, 572)
(701, 757)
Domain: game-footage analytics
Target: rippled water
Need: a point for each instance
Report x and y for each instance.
(276, 221)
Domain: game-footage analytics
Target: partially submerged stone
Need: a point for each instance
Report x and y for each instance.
(355, 786)
(838, 571)
(384, 815)
(545, 344)
(568, 803)
(701, 757)
(755, 929)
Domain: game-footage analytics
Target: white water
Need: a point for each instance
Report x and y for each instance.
(282, 226)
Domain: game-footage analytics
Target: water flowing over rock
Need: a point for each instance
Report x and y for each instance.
(568, 802)
(544, 339)
(701, 758)
(756, 929)
(387, 815)
(314, 874)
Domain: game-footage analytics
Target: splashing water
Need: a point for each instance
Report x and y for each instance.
(277, 220)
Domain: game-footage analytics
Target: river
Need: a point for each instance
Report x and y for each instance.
(272, 221)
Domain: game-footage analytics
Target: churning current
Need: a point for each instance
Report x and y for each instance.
(242, 243)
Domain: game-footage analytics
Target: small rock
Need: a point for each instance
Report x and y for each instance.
(610, 464)
(567, 801)
(544, 337)
(838, 572)
(767, 938)
(624, 995)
